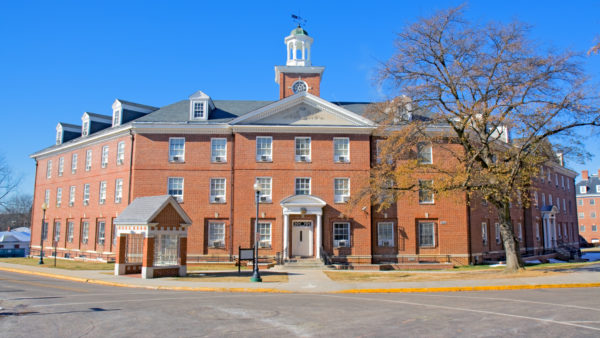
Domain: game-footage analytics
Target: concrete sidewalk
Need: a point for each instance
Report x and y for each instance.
(315, 281)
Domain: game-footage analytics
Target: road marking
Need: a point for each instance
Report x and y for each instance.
(454, 308)
(44, 285)
(511, 300)
(245, 314)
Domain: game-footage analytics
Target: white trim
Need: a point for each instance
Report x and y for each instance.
(297, 70)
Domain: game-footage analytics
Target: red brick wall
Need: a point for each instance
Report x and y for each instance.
(286, 80)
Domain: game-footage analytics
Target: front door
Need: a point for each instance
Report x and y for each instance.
(302, 238)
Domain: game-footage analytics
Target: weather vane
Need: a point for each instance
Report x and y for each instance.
(299, 20)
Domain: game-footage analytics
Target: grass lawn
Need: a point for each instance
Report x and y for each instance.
(597, 249)
(232, 277)
(60, 263)
(215, 267)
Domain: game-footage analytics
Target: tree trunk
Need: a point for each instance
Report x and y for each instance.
(512, 250)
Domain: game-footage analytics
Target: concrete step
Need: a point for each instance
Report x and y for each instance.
(304, 263)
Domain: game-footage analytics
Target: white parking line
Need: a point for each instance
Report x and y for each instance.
(454, 308)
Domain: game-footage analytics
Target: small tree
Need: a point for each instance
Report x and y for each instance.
(8, 181)
(17, 211)
(484, 96)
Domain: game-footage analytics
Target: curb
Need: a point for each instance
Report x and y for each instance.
(348, 291)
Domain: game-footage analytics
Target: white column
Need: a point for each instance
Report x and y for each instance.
(319, 239)
(286, 222)
(303, 51)
(288, 51)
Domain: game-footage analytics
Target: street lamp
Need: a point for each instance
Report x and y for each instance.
(255, 273)
(44, 207)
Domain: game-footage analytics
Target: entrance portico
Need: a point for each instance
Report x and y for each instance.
(549, 223)
(303, 231)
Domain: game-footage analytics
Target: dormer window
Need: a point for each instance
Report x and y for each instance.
(116, 117)
(85, 127)
(200, 106)
(59, 135)
(199, 110)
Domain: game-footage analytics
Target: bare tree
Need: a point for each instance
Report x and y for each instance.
(8, 181)
(467, 87)
(17, 212)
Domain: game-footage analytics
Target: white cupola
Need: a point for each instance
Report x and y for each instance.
(298, 47)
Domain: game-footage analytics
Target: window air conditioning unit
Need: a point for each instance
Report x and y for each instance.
(86, 202)
(342, 159)
(120, 161)
(71, 204)
(104, 165)
(263, 244)
(346, 199)
(302, 158)
(217, 199)
(263, 198)
(102, 201)
(219, 159)
(218, 244)
(264, 158)
(386, 243)
(118, 200)
(179, 199)
(342, 243)
(177, 158)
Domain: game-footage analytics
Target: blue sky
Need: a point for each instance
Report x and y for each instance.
(59, 59)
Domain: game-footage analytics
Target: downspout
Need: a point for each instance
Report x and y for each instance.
(232, 196)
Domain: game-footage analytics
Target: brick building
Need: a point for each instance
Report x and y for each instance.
(588, 210)
(309, 155)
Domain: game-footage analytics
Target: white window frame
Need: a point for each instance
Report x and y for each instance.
(422, 192)
(580, 202)
(581, 228)
(592, 201)
(535, 199)
(537, 231)
(341, 154)
(102, 194)
(49, 169)
(520, 232)
(266, 188)
(265, 235)
(341, 194)
(88, 160)
(173, 188)
(85, 232)
(47, 197)
(118, 190)
(198, 111)
(420, 229)
(497, 230)
(85, 127)
(562, 181)
(100, 232)
(86, 194)
(385, 237)
(580, 215)
(216, 234)
(216, 195)
(594, 228)
(598, 188)
(592, 214)
(56, 231)
(104, 157)
(341, 239)
(299, 156)
(72, 191)
(558, 203)
(121, 153)
(264, 154)
(299, 181)
(484, 235)
(116, 117)
(166, 250)
(70, 231)
(582, 189)
(218, 155)
(58, 197)
(176, 154)
(61, 166)
(74, 163)
(424, 153)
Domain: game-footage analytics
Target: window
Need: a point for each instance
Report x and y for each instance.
(484, 236)
(56, 232)
(302, 186)
(562, 181)
(216, 235)
(341, 235)
(49, 169)
(341, 190)
(535, 198)
(165, 252)
(580, 215)
(102, 195)
(385, 234)
(218, 149)
(341, 149)
(549, 177)
(497, 233)
(74, 164)
(579, 202)
(58, 197)
(116, 117)
(47, 197)
(543, 199)
(72, 196)
(176, 149)
(424, 153)
(302, 149)
(175, 188)
(558, 230)
(520, 231)
(426, 191)
(86, 194)
(70, 229)
(582, 189)
(88, 160)
(198, 112)
(568, 184)
(61, 166)
(426, 234)
(265, 188)
(120, 153)
(582, 228)
(556, 179)
(59, 134)
(542, 174)
(558, 203)
(264, 148)
(594, 228)
(598, 188)
(550, 199)
(104, 158)
(564, 205)
(593, 214)
(217, 190)
(592, 201)
(118, 190)
(101, 232)
(264, 232)
(537, 231)
(44, 230)
(565, 234)
(85, 231)
(85, 127)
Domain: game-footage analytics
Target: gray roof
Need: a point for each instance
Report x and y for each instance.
(100, 116)
(68, 125)
(137, 104)
(14, 236)
(143, 209)
(592, 184)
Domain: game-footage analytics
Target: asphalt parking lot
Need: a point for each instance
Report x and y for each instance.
(32, 304)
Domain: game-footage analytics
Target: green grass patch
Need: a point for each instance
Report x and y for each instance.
(476, 267)
(60, 263)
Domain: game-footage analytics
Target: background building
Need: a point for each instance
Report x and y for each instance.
(588, 210)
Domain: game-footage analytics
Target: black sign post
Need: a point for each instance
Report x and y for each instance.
(244, 255)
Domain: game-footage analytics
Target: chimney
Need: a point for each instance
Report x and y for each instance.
(584, 175)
